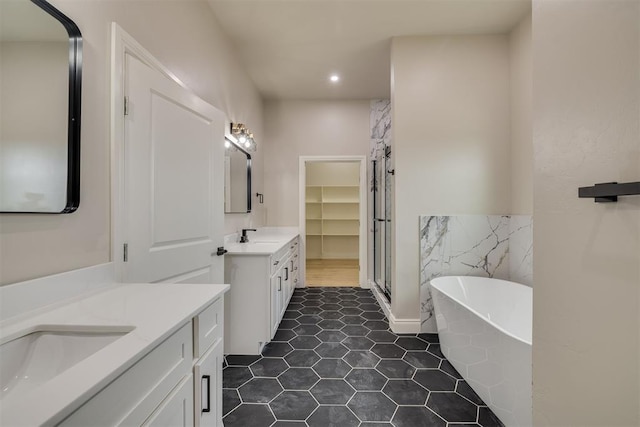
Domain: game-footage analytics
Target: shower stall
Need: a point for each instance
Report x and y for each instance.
(382, 171)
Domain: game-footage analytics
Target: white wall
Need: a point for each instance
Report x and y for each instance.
(333, 173)
(521, 122)
(306, 128)
(586, 111)
(186, 38)
(451, 127)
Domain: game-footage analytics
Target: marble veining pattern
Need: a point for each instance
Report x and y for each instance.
(380, 123)
(497, 246)
(380, 119)
(521, 249)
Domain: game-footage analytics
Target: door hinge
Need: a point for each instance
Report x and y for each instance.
(126, 105)
(125, 252)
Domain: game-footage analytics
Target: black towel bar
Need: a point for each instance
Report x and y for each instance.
(608, 192)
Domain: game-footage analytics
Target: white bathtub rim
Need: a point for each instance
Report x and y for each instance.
(480, 315)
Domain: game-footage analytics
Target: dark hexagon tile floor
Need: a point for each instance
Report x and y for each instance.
(335, 362)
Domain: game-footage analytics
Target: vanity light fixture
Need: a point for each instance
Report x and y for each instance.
(243, 136)
(251, 143)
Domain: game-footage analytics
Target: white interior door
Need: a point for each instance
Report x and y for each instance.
(174, 163)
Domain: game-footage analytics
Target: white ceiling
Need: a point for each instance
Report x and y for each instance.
(290, 47)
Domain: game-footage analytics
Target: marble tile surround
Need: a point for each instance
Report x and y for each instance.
(497, 246)
(380, 122)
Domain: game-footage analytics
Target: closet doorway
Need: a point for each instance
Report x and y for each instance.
(333, 220)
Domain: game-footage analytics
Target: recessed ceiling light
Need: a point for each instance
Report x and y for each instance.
(334, 78)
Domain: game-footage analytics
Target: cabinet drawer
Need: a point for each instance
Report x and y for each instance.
(280, 257)
(177, 409)
(208, 327)
(135, 394)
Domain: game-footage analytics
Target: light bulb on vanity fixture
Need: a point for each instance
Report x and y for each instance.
(243, 136)
(251, 143)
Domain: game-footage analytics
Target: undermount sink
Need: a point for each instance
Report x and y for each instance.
(38, 356)
(263, 241)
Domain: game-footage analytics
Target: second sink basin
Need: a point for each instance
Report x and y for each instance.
(38, 356)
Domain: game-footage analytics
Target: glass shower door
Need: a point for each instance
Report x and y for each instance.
(382, 223)
(387, 221)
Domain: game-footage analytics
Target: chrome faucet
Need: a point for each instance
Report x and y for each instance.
(244, 238)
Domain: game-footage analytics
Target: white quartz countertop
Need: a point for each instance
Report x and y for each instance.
(265, 241)
(151, 311)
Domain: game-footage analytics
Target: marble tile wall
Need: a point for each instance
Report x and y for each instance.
(521, 249)
(380, 122)
(497, 246)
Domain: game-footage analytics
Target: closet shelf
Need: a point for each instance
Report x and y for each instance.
(333, 219)
(340, 219)
(343, 201)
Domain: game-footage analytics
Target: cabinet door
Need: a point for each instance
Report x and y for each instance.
(276, 301)
(295, 265)
(176, 409)
(294, 276)
(208, 388)
(286, 286)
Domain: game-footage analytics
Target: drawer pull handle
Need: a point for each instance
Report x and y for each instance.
(276, 263)
(207, 378)
(279, 283)
(286, 273)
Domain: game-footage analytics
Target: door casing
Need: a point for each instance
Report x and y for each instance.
(362, 244)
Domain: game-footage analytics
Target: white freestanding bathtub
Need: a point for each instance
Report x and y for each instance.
(485, 332)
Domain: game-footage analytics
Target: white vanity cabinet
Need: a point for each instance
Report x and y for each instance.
(208, 331)
(276, 296)
(178, 383)
(261, 287)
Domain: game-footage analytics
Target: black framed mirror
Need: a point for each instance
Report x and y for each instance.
(237, 178)
(40, 82)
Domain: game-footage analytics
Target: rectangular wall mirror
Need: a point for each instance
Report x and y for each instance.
(237, 178)
(40, 82)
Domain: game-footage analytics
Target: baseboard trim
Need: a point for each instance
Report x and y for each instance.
(404, 326)
(399, 326)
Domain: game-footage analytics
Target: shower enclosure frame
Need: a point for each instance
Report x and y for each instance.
(381, 221)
